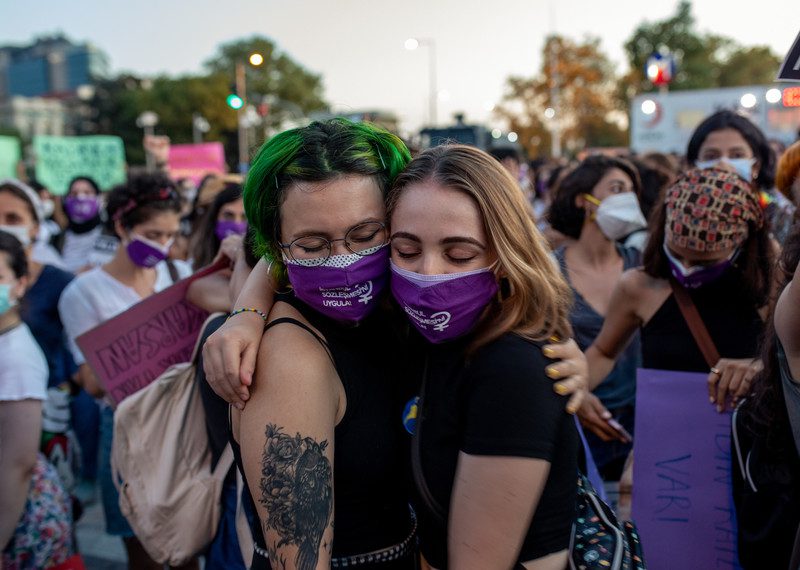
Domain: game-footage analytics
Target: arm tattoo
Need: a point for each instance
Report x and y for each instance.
(297, 491)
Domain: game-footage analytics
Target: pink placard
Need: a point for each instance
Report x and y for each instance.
(194, 161)
(131, 350)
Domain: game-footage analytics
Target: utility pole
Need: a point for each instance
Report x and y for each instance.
(241, 90)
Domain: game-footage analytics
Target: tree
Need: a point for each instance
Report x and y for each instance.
(119, 101)
(704, 60)
(287, 87)
(749, 66)
(584, 77)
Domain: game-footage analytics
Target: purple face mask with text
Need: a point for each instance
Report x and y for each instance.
(146, 253)
(346, 287)
(443, 307)
(81, 208)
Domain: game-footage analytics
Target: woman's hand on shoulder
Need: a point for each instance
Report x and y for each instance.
(570, 371)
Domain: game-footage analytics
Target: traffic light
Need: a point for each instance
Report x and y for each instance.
(234, 101)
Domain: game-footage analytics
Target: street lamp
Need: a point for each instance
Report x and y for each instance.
(255, 59)
(412, 44)
(146, 121)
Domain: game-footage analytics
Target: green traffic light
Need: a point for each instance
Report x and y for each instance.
(234, 101)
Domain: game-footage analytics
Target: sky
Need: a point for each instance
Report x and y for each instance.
(358, 45)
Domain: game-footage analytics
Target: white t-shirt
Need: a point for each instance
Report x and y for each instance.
(95, 296)
(94, 248)
(23, 368)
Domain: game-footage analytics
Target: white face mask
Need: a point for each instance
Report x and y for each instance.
(742, 166)
(619, 215)
(22, 233)
(48, 207)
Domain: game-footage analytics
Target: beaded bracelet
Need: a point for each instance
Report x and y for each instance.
(261, 314)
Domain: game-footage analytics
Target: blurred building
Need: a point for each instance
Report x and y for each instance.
(42, 84)
(50, 67)
(31, 116)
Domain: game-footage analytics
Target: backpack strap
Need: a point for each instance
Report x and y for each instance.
(698, 329)
(201, 337)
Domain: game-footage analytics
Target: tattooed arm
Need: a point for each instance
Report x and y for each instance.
(286, 434)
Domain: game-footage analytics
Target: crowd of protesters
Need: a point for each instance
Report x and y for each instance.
(400, 343)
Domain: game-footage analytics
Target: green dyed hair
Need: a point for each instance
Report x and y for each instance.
(321, 151)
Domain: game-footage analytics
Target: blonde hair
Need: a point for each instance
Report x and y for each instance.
(535, 299)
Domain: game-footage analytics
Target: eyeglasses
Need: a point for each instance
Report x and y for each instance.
(363, 239)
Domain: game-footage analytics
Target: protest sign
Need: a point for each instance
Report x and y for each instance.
(682, 501)
(9, 157)
(194, 161)
(790, 70)
(131, 350)
(60, 159)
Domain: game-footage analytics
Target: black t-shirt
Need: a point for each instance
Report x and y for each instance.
(497, 403)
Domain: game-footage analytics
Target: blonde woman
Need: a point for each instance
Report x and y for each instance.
(496, 453)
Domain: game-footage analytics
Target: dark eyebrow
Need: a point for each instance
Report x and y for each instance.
(463, 239)
(405, 235)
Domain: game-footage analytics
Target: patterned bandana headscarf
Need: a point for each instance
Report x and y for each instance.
(709, 210)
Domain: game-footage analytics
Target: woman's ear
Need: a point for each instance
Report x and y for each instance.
(120, 230)
(20, 288)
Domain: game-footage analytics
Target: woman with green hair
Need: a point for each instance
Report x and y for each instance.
(322, 431)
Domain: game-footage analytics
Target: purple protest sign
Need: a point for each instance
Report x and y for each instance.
(682, 500)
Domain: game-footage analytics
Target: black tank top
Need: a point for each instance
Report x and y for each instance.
(728, 312)
(371, 506)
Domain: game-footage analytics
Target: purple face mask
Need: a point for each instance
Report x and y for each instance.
(81, 208)
(443, 307)
(698, 276)
(227, 228)
(345, 288)
(146, 253)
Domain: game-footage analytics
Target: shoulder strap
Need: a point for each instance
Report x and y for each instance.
(173, 271)
(696, 325)
(306, 328)
(416, 457)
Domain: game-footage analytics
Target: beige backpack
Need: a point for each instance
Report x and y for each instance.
(161, 463)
